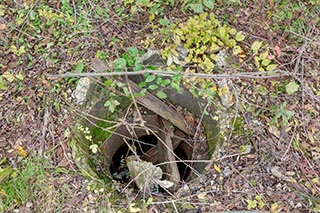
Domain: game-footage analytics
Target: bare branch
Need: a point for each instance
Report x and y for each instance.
(271, 74)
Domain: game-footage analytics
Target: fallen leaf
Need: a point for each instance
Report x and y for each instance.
(276, 172)
(275, 208)
(245, 149)
(21, 151)
(274, 130)
(240, 36)
(8, 76)
(145, 174)
(277, 48)
(256, 46)
(133, 209)
(3, 27)
(217, 168)
(202, 195)
(292, 87)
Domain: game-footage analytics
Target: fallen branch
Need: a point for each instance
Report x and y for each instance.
(271, 74)
(166, 154)
(160, 108)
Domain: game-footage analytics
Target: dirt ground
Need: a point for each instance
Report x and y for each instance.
(269, 162)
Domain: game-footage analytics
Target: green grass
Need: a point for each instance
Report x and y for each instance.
(23, 183)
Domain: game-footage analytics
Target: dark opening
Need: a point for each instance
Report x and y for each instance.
(144, 143)
(119, 170)
(184, 170)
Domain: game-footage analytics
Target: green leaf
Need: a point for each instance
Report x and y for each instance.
(142, 84)
(209, 4)
(107, 103)
(256, 46)
(176, 86)
(161, 95)
(80, 67)
(240, 36)
(236, 50)
(126, 91)
(111, 108)
(252, 204)
(143, 92)
(32, 15)
(120, 64)
(133, 51)
(151, 67)
(222, 31)
(3, 85)
(165, 82)
(265, 62)
(271, 67)
(150, 78)
(176, 77)
(115, 103)
(159, 80)
(232, 31)
(292, 87)
(164, 22)
(138, 67)
(197, 8)
(153, 87)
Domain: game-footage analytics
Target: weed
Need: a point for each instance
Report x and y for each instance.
(281, 115)
(199, 6)
(153, 7)
(23, 182)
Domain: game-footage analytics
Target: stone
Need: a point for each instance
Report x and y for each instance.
(82, 90)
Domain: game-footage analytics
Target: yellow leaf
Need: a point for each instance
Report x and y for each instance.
(133, 209)
(264, 55)
(17, 51)
(223, 91)
(271, 67)
(213, 57)
(19, 76)
(240, 36)
(316, 181)
(202, 195)
(21, 151)
(232, 42)
(179, 32)
(232, 31)
(213, 88)
(22, 50)
(3, 10)
(217, 168)
(222, 31)
(256, 46)
(13, 48)
(7, 75)
(151, 17)
(236, 50)
(275, 208)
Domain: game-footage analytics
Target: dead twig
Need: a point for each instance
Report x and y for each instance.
(135, 103)
(253, 75)
(46, 118)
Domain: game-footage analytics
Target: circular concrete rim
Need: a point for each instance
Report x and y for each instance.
(113, 144)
